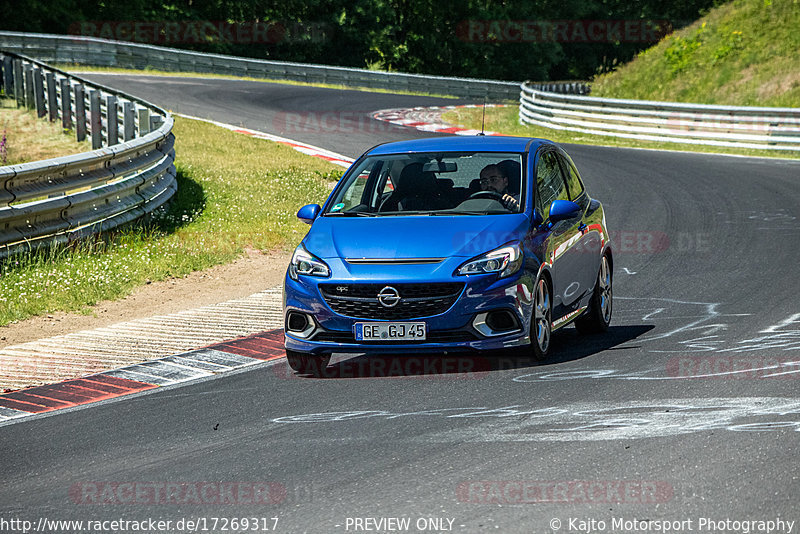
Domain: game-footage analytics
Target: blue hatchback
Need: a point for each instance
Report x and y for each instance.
(448, 244)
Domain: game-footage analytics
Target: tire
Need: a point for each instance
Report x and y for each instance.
(541, 321)
(307, 364)
(598, 317)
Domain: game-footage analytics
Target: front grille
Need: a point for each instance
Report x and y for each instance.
(443, 336)
(416, 300)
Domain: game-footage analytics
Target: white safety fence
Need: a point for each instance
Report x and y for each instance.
(731, 126)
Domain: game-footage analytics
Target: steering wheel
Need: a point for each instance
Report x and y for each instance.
(494, 195)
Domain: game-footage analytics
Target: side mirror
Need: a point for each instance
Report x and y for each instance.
(308, 213)
(561, 210)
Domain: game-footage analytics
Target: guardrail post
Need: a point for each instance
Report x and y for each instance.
(52, 99)
(30, 103)
(95, 119)
(19, 83)
(70, 197)
(112, 132)
(143, 119)
(128, 121)
(80, 112)
(8, 76)
(38, 87)
(66, 101)
(156, 122)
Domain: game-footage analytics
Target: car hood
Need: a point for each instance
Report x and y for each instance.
(401, 237)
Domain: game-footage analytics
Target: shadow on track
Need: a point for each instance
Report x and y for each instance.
(568, 346)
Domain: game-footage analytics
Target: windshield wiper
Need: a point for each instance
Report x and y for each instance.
(460, 212)
(398, 213)
(433, 213)
(350, 214)
(468, 212)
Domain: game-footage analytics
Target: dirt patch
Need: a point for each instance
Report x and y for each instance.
(778, 85)
(250, 274)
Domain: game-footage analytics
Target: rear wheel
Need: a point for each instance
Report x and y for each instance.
(305, 363)
(597, 319)
(542, 323)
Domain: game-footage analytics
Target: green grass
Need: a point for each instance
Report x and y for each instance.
(155, 72)
(505, 120)
(744, 53)
(29, 138)
(235, 192)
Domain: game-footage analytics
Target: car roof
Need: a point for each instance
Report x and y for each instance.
(488, 143)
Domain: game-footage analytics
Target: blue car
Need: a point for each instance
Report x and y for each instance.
(445, 245)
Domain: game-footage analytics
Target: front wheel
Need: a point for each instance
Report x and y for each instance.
(542, 321)
(305, 363)
(597, 319)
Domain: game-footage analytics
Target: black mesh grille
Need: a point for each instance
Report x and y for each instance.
(416, 300)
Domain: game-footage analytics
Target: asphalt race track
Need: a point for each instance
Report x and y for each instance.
(649, 422)
(333, 119)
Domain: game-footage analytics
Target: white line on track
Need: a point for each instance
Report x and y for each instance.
(305, 148)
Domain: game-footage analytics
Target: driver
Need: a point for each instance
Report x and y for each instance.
(495, 180)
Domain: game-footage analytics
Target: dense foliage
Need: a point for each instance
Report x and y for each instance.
(539, 40)
(744, 53)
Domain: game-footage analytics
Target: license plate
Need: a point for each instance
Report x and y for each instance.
(389, 331)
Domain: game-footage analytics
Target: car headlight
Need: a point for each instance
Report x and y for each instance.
(305, 263)
(505, 260)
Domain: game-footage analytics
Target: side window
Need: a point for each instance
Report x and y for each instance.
(355, 193)
(574, 183)
(361, 192)
(549, 183)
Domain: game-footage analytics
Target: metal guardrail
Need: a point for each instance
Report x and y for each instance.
(744, 127)
(98, 52)
(129, 173)
(565, 88)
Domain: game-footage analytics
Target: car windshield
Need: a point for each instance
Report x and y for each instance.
(477, 183)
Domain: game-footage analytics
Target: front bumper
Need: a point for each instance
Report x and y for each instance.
(451, 331)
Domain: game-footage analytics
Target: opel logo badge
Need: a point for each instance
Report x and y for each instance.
(389, 297)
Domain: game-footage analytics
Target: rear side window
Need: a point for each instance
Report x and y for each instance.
(574, 184)
(550, 184)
